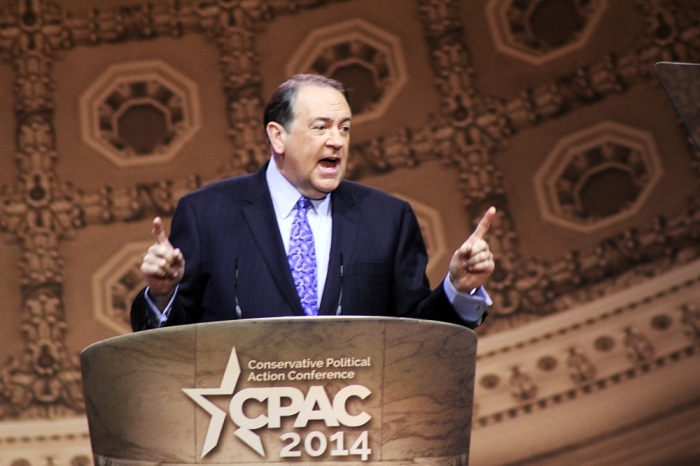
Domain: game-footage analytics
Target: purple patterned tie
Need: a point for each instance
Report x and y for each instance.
(302, 259)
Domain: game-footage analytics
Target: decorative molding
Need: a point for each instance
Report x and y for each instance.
(646, 328)
(355, 43)
(44, 382)
(530, 403)
(627, 302)
(62, 442)
(127, 96)
(37, 213)
(575, 162)
(515, 32)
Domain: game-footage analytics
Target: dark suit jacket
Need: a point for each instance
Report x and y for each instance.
(233, 222)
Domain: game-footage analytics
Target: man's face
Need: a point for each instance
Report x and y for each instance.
(313, 154)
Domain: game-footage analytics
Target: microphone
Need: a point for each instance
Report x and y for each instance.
(239, 313)
(340, 298)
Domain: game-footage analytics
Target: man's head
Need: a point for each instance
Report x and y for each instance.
(307, 121)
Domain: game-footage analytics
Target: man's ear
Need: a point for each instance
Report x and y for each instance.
(277, 136)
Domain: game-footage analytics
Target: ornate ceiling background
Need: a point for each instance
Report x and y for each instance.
(548, 109)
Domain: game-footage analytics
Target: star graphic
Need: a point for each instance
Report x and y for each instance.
(218, 415)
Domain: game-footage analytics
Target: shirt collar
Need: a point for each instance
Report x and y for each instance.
(285, 195)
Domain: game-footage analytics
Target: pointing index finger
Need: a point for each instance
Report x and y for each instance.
(158, 231)
(484, 224)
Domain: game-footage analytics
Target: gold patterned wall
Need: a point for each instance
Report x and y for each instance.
(548, 109)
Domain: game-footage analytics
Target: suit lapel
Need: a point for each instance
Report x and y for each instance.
(260, 216)
(346, 218)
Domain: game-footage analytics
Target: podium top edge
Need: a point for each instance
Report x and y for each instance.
(271, 321)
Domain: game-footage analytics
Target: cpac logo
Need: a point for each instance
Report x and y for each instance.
(333, 414)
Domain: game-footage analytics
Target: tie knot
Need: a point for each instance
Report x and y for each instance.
(303, 203)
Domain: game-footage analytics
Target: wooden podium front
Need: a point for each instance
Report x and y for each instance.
(306, 390)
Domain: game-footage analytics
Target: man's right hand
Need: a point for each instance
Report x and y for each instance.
(163, 266)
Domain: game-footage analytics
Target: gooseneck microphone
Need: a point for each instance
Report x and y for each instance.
(339, 310)
(239, 313)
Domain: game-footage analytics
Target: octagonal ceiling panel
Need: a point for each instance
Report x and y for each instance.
(597, 176)
(367, 59)
(139, 113)
(537, 31)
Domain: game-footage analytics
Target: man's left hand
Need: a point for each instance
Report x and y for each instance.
(472, 263)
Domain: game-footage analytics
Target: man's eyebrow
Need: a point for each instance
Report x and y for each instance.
(328, 119)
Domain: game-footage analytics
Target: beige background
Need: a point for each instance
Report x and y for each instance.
(562, 278)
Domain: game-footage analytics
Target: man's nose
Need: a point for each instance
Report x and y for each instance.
(335, 139)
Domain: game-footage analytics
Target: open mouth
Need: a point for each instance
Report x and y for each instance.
(329, 162)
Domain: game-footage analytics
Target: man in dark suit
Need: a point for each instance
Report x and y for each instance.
(232, 241)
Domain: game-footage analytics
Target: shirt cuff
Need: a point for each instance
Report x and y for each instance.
(155, 317)
(470, 306)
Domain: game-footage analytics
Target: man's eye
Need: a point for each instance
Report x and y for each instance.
(320, 127)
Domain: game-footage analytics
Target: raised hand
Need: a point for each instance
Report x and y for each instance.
(163, 266)
(472, 263)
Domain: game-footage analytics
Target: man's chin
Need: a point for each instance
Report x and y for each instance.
(326, 187)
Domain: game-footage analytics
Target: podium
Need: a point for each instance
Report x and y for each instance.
(305, 390)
